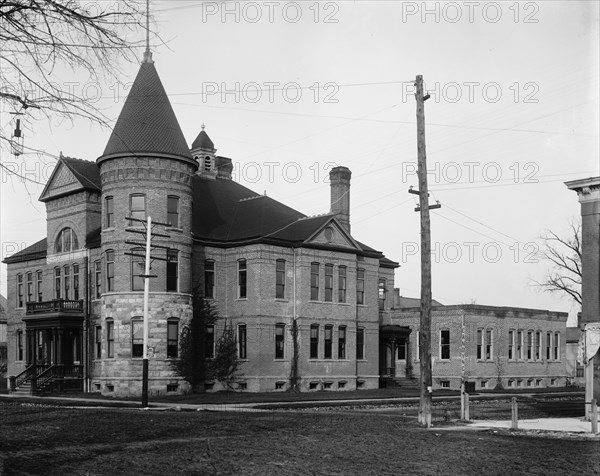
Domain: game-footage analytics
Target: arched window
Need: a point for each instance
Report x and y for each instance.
(66, 241)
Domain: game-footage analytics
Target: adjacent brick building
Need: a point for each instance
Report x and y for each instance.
(487, 345)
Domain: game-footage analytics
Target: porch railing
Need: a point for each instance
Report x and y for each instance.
(41, 375)
(28, 374)
(56, 305)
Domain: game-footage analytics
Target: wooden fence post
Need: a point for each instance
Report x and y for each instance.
(594, 417)
(515, 414)
(467, 404)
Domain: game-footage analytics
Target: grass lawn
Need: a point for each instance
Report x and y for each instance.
(57, 441)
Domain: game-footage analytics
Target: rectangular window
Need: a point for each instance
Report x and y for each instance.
(314, 341)
(520, 345)
(29, 287)
(20, 297)
(382, 292)
(40, 294)
(479, 344)
(98, 279)
(279, 341)
(401, 349)
(280, 279)
(242, 339)
(76, 282)
(445, 344)
(57, 281)
(556, 346)
(19, 345)
(98, 341)
(342, 284)
(360, 286)
(209, 279)
(109, 212)
(173, 211)
(529, 345)
(172, 271)
(328, 342)
(138, 268)
(67, 282)
(242, 279)
(511, 344)
(110, 271)
(137, 206)
(209, 342)
(342, 342)
(538, 345)
(328, 282)
(488, 344)
(137, 338)
(110, 339)
(314, 281)
(360, 343)
(548, 345)
(172, 338)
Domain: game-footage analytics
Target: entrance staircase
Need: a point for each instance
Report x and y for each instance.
(40, 379)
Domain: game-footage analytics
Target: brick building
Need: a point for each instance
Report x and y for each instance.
(75, 298)
(486, 345)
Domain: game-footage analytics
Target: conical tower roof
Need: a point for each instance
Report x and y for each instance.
(147, 124)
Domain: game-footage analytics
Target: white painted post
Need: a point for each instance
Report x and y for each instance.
(146, 312)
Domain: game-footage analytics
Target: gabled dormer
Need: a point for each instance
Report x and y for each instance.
(73, 208)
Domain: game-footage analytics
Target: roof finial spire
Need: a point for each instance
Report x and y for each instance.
(147, 53)
(203, 126)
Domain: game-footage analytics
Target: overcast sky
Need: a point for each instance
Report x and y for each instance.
(290, 89)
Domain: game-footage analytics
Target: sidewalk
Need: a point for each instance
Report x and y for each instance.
(568, 425)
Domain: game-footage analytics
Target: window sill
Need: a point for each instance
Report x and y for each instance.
(444, 360)
(112, 228)
(241, 299)
(281, 300)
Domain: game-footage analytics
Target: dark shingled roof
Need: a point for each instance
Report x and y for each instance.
(203, 141)
(36, 251)
(147, 124)
(85, 171)
(227, 211)
(227, 214)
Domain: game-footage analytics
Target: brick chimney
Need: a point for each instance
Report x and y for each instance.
(340, 194)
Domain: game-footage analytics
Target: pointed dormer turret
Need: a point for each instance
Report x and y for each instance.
(203, 151)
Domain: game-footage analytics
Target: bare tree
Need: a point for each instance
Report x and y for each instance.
(44, 40)
(564, 257)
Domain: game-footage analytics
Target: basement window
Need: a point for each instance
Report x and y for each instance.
(242, 386)
(110, 387)
(445, 383)
(172, 387)
(327, 385)
(511, 384)
(313, 385)
(279, 385)
(360, 384)
(341, 385)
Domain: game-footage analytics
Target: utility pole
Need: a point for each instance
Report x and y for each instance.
(148, 234)
(424, 207)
